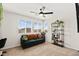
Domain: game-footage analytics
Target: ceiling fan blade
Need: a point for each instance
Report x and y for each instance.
(48, 13)
(33, 12)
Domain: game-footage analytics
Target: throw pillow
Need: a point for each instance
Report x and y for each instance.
(39, 36)
(25, 37)
(30, 37)
(35, 36)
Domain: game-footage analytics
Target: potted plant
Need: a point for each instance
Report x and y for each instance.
(61, 24)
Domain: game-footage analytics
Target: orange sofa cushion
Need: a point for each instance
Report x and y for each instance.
(32, 36)
(39, 36)
(35, 36)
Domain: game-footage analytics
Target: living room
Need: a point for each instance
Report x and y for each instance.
(26, 19)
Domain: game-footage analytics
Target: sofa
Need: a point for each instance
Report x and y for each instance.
(31, 40)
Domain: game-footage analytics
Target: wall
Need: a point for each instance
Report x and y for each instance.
(9, 28)
(71, 34)
(67, 13)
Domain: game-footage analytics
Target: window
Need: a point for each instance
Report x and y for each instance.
(28, 26)
(22, 26)
(25, 26)
(45, 27)
(40, 26)
(37, 27)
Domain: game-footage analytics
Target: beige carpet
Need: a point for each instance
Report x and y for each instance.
(45, 49)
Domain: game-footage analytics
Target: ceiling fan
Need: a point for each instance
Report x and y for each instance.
(42, 12)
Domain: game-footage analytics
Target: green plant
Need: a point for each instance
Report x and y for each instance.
(59, 23)
(1, 11)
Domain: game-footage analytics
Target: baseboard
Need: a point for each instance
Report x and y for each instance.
(10, 47)
(71, 47)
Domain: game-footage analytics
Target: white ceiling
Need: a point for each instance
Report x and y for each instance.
(25, 8)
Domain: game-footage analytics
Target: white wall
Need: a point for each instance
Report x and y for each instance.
(67, 13)
(9, 28)
(71, 34)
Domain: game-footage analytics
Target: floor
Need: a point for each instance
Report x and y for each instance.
(45, 49)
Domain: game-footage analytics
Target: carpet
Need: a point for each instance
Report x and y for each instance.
(45, 49)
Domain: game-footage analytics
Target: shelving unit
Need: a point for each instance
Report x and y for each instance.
(58, 33)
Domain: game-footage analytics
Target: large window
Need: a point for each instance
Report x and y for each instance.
(40, 27)
(37, 27)
(45, 27)
(22, 26)
(28, 26)
(25, 26)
